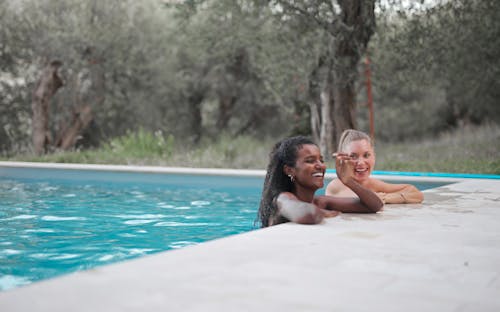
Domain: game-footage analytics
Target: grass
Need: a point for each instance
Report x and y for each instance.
(157, 149)
(466, 150)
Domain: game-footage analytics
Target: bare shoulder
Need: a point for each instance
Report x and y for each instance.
(285, 196)
(335, 187)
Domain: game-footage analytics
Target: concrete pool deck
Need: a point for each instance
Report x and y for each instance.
(442, 255)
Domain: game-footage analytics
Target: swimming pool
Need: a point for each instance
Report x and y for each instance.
(56, 221)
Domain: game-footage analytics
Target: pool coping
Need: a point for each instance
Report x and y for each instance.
(330, 174)
(441, 255)
(134, 168)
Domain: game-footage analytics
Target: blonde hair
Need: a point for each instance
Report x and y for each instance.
(351, 135)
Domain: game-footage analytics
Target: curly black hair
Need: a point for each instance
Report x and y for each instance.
(283, 153)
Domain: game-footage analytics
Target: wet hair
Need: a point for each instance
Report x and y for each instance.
(283, 153)
(351, 135)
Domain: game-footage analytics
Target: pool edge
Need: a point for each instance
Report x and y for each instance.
(330, 173)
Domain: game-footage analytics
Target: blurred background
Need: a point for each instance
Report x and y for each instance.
(214, 83)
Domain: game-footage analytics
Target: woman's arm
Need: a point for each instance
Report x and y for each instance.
(398, 193)
(295, 210)
(368, 200)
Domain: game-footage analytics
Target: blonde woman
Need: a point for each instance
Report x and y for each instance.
(358, 146)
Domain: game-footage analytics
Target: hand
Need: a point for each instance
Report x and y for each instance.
(344, 166)
(330, 213)
(321, 203)
(382, 196)
(298, 211)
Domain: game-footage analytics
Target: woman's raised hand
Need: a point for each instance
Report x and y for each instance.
(344, 166)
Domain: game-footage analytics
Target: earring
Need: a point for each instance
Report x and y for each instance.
(291, 178)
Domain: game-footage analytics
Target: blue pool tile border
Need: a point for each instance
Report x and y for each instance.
(432, 174)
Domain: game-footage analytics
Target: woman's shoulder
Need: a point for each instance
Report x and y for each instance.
(335, 182)
(285, 195)
(335, 186)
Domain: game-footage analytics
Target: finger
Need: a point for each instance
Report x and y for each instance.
(339, 154)
(344, 158)
(341, 163)
(350, 161)
(330, 213)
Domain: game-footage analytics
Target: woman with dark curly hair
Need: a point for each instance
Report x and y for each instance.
(295, 172)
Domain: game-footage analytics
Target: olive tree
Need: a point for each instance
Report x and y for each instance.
(343, 28)
(110, 63)
(436, 67)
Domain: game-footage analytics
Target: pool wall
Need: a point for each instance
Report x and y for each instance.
(441, 255)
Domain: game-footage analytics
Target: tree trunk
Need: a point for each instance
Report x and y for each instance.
(344, 93)
(350, 37)
(45, 89)
(194, 102)
(327, 130)
(88, 91)
(235, 74)
(314, 95)
(227, 102)
(80, 120)
(344, 116)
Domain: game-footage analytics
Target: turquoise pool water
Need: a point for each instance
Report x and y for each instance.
(55, 221)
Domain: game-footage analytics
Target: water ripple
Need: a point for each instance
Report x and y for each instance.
(186, 224)
(142, 216)
(52, 227)
(56, 218)
(200, 203)
(21, 217)
(181, 244)
(139, 222)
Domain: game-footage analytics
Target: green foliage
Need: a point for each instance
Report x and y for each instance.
(470, 150)
(14, 111)
(139, 147)
(243, 152)
(142, 144)
(146, 148)
(228, 64)
(466, 150)
(112, 60)
(436, 68)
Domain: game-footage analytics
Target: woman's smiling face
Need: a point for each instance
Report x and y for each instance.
(309, 171)
(362, 152)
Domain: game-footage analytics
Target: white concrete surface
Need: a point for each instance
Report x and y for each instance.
(442, 255)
